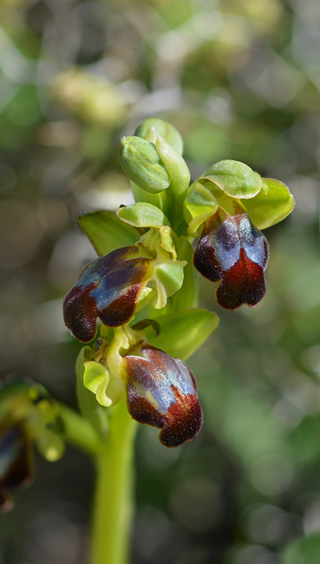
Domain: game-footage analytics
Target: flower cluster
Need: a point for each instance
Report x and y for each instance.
(146, 265)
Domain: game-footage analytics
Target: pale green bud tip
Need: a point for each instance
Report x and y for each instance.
(151, 128)
(141, 163)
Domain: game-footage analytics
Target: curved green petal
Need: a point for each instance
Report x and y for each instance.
(167, 280)
(106, 231)
(89, 407)
(234, 178)
(142, 214)
(183, 331)
(271, 205)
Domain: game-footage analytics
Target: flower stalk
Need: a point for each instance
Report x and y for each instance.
(113, 503)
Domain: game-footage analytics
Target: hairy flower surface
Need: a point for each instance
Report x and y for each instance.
(232, 249)
(161, 392)
(108, 288)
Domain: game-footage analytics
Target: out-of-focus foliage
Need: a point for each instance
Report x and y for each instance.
(241, 81)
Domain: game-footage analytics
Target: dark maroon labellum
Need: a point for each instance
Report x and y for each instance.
(162, 393)
(108, 288)
(232, 249)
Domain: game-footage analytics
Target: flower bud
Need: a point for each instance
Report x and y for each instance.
(141, 163)
(151, 128)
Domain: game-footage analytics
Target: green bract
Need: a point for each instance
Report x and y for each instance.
(183, 331)
(106, 231)
(151, 128)
(141, 163)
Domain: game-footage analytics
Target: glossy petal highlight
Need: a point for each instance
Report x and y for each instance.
(108, 288)
(232, 249)
(162, 393)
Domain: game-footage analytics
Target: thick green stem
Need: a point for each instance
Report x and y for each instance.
(113, 505)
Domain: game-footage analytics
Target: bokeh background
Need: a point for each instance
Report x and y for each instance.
(240, 80)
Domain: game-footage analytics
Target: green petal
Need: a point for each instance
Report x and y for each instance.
(109, 389)
(170, 275)
(270, 206)
(106, 231)
(142, 214)
(234, 178)
(89, 407)
(183, 331)
(151, 128)
(94, 375)
(199, 204)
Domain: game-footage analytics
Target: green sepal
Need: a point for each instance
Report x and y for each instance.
(106, 231)
(176, 166)
(141, 162)
(142, 215)
(234, 178)
(151, 128)
(273, 204)
(183, 331)
(88, 405)
(199, 204)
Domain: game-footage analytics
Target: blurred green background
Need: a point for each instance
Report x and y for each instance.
(240, 80)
